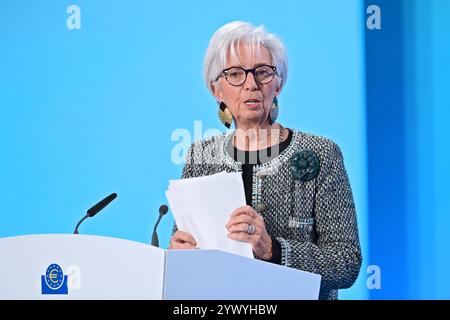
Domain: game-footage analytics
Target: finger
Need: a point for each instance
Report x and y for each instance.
(240, 219)
(181, 236)
(243, 210)
(241, 236)
(181, 246)
(252, 213)
(241, 227)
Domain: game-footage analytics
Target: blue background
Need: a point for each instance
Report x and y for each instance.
(87, 112)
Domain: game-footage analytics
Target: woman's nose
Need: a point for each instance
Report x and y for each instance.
(250, 83)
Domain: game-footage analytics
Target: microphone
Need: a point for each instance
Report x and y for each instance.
(162, 211)
(96, 209)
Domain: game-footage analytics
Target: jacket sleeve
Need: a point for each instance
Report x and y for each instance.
(336, 255)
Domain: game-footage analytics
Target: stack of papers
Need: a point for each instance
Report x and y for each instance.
(202, 207)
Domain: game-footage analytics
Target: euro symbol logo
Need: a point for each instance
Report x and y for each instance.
(53, 275)
(54, 281)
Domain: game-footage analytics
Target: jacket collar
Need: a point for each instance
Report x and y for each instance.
(266, 167)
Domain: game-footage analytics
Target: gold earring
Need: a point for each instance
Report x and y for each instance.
(225, 115)
(273, 115)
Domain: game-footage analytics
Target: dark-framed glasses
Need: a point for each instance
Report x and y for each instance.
(236, 76)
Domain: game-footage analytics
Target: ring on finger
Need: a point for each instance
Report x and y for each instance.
(250, 229)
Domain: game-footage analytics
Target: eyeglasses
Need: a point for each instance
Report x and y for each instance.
(236, 76)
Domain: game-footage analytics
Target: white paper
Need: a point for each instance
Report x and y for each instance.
(202, 207)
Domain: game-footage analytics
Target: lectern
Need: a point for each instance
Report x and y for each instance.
(66, 266)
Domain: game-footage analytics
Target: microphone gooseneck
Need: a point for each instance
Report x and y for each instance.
(162, 211)
(79, 222)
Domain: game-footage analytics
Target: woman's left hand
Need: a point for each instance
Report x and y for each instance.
(247, 225)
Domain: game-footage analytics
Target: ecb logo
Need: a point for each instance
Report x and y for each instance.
(54, 281)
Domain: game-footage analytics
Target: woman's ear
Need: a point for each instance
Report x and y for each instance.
(217, 92)
(278, 88)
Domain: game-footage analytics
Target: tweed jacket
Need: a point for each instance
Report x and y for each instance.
(314, 221)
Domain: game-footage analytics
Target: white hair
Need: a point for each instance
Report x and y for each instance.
(227, 39)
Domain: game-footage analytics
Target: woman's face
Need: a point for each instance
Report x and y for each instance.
(250, 102)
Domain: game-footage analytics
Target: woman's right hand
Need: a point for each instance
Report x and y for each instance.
(182, 240)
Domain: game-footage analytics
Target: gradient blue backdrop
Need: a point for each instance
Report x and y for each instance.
(408, 110)
(87, 112)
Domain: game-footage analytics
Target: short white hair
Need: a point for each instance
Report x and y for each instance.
(227, 39)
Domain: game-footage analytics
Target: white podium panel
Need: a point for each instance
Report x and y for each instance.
(95, 268)
(212, 275)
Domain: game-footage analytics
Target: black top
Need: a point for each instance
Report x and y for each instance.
(249, 159)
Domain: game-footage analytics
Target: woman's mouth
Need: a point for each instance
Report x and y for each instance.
(252, 103)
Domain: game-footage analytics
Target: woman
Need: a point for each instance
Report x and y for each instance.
(300, 211)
